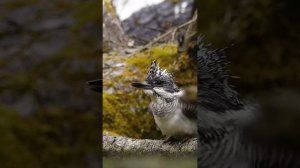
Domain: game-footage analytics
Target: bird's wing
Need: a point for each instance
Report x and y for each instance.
(189, 109)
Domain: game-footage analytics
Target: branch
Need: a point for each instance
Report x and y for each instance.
(192, 21)
(170, 33)
(123, 146)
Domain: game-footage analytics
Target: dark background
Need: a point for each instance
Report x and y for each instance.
(48, 116)
(262, 37)
(262, 40)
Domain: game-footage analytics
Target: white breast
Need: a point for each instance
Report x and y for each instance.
(176, 125)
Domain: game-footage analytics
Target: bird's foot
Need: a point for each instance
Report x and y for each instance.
(182, 141)
(170, 140)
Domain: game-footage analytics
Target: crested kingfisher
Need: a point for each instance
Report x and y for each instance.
(176, 118)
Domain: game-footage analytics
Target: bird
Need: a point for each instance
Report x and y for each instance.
(219, 110)
(176, 118)
(226, 138)
(95, 85)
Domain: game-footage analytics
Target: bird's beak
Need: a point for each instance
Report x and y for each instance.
(95, 85)
(142, 85)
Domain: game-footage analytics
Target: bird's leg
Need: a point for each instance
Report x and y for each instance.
(184, 140)
(170, 140)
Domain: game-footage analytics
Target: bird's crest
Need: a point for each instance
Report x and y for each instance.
(157, 74)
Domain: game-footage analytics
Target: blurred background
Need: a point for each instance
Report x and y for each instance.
(262, 40)
(48, 50)
(262, 37)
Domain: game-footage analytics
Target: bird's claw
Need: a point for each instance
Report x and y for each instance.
(170, 140)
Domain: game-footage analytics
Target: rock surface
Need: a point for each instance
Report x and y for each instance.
(144, 25)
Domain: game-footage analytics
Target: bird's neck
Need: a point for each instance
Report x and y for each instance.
(164, 101)
(163, 107)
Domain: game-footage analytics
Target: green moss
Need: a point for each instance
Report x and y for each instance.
(166, 55)
(122, 118)
(109, 8)
(175, 1)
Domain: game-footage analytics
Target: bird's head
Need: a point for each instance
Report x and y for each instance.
(159, 83)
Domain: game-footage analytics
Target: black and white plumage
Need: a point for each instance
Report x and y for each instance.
(224, 122)
(174, 117)
(215, 93)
